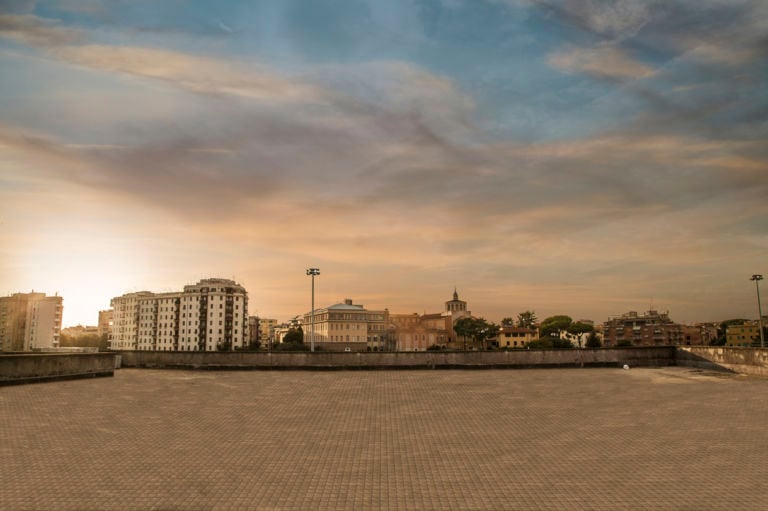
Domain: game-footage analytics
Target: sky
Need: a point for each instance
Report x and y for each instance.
(585, 157)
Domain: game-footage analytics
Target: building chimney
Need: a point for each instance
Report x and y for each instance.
(348, 301)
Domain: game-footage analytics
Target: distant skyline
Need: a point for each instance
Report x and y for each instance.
(583, 158)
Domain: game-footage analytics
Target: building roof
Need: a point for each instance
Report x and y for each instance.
(346, 306)
(516, 329)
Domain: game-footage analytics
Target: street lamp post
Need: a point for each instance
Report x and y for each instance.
(757, 279)
(312, 272)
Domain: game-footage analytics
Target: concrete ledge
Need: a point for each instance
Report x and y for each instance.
(41, 367)
(522, 359)
(750, 361)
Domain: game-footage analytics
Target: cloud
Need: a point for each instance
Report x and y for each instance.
(620, 18)
(382, 162)
(18, 6)
(36, 31)
(616, 19)
(82, 6)
(723, 55)
(721, 31)
(196, 74)
(604, 61)
(237, 152)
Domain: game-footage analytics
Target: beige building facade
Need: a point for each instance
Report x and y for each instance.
(347, 327)
(418, 332)
(267, 330)
(652, 328)
(106, 317)
(30, 321)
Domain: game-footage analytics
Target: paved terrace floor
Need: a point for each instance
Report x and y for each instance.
(671, 438)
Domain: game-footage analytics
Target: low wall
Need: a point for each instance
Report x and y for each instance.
(38, 367)
(607, 357)
(752, 361)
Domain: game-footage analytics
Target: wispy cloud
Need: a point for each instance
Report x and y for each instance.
(604, 61)
(197, 74)
(614, 19)
(267, 157)
(36, 31)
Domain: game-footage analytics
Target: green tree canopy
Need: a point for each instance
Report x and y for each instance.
(84, 341)
(477, 329)
(578, 328)
(507, 322)
(294, 336)
(526, 319)
(552, 325)
(593, 341)
(550, 343)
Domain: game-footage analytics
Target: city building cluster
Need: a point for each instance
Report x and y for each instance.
(212, 315)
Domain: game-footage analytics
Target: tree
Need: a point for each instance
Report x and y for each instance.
(283, 346)
(84, 341)
(253, 346)
(593, 341)
(552, 326)
(579, 328)
(477, 329)
(508, 322)
(294, 336)
(550, 343)
(485, 330)
(526, 319)
(463, 328)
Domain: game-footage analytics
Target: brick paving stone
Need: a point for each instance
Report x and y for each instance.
(583, 439)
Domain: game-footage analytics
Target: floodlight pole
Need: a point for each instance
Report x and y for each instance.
(312, 272)
(757, 279)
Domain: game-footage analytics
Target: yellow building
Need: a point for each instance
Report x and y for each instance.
(742, 335)
(515, 337)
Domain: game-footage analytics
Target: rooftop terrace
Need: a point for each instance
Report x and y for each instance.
(670, 438)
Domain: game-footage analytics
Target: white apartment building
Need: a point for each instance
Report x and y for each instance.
(30, 321)
(44, 323)
(211, 315)
(214, 316)
(159, 322)
(125, 320)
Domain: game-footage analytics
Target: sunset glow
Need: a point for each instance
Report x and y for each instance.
(576, 158)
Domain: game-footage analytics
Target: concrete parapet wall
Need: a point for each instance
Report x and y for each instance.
(616, 357)
(38, 367)
(751, 361)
